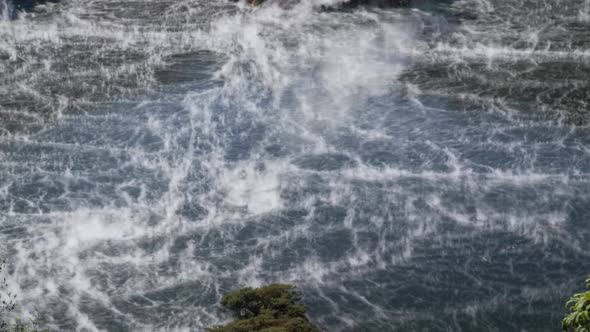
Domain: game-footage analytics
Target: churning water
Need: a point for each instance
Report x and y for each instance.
(421, 169)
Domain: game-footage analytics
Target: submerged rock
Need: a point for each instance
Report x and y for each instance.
(10, 8)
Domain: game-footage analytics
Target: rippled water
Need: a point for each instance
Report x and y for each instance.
(423, 169)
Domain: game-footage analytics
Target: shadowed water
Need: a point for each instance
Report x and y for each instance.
(421, 169)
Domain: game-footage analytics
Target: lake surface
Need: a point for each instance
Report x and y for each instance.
(423, 169)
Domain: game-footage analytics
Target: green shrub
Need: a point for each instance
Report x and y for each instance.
(7, 301)
(274, 308)
(578, 320)
(19, 326)
(8, 304)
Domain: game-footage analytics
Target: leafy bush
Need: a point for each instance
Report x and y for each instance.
(8, 304)
(274, 308)
(578, 320)
(7, 301)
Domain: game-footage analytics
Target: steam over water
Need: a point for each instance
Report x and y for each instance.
(420, 169)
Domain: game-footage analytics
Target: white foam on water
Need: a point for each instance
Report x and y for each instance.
(259, 192)
(584, 14)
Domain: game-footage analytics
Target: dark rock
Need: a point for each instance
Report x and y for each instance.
(12, 7)
(29, 4)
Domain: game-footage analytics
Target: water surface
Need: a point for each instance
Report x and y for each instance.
(423, 169)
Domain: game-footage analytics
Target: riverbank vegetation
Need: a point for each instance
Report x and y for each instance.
(578, 319)
(274, 308)
(7, 305)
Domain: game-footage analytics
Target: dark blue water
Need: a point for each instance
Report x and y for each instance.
(409, 169)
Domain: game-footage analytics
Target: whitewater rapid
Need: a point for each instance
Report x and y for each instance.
(408, 168)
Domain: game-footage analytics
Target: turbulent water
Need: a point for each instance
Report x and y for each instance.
(423, 169)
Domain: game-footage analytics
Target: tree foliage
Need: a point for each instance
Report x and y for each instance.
(7, 305)
(578, 319)
(274, 308)
(7, 300)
